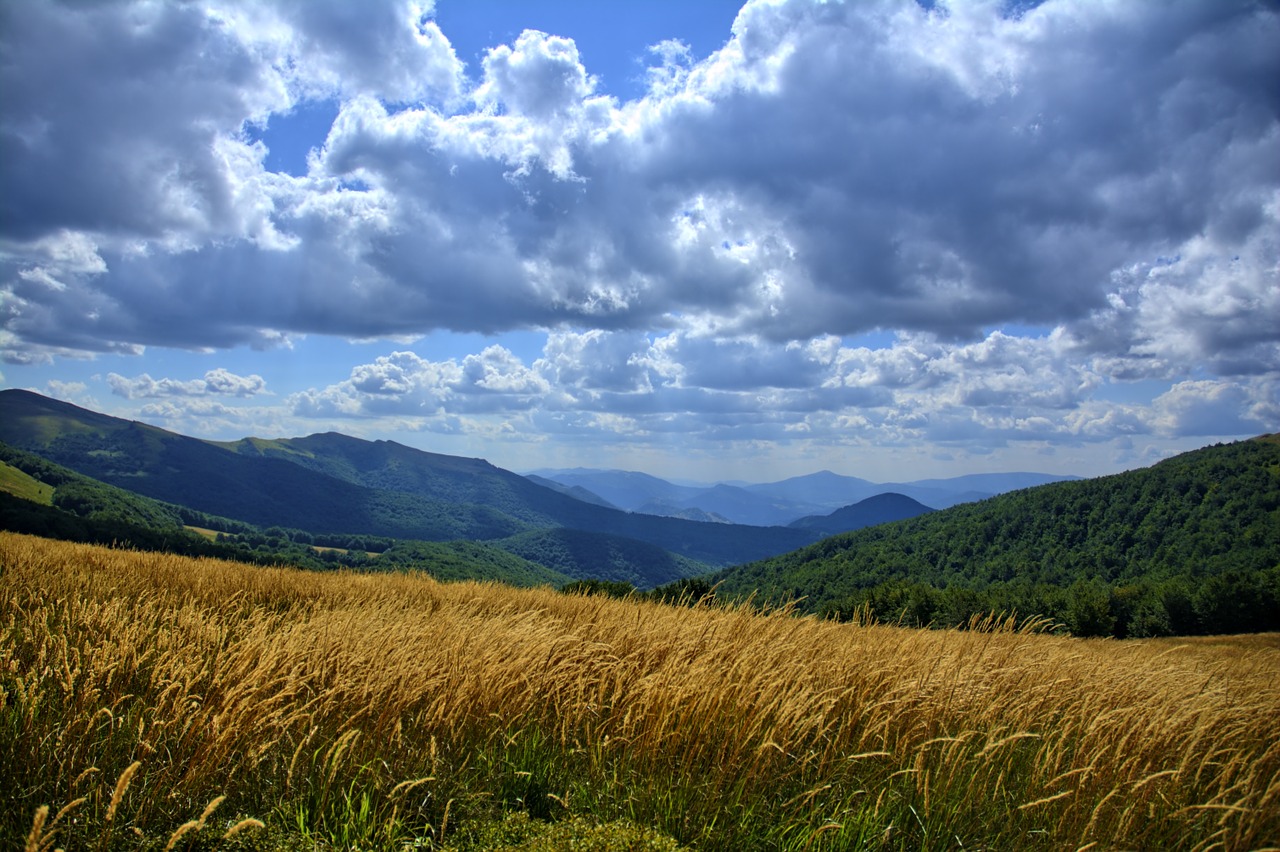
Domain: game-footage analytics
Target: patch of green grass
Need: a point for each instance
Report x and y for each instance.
(21, 485)
(519, 831)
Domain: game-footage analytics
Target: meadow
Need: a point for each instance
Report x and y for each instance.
(161, 702)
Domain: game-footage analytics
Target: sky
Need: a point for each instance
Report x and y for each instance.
(709, 241)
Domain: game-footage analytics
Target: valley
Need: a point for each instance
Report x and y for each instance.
(1190, 546)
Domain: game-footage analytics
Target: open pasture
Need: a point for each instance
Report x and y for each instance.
(162, 702)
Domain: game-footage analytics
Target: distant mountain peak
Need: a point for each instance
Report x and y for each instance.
(877, 509)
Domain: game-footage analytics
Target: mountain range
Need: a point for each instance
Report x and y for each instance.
(778, 503)
(331, 483)
(1189, 545)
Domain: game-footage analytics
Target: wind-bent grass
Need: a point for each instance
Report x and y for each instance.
(163, 702)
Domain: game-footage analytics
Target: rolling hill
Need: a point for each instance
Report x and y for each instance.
(879, 509)
(334, 483)
(1189, 545)
(41, 498)
(264, 491)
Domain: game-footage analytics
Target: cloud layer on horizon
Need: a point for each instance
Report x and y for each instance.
(1106, 174)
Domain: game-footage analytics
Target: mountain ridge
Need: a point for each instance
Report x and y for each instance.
(336, 483)
(787, 500)
(1188, 545)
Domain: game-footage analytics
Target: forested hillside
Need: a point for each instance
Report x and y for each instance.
(1190, 545)
(880, 509)
(41, 498)
(598, 556)
(396, 469)
(336, 484)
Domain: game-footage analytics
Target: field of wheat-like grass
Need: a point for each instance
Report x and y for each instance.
(150, 701)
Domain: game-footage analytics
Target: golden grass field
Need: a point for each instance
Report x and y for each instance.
(152, 701)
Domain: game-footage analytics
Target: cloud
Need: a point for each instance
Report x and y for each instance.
(1102, 173)
(1205, 408)
(1000, 391)
(69, 391)
(596, 361)
(217, 382)
(113, 119)
(392, 51)
(406, 385)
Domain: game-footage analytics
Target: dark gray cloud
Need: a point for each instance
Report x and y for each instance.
(112, 112)
(1106, 173)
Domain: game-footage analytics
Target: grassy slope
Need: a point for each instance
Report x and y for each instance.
(1209, 512)
(21, 484)
(367, 711)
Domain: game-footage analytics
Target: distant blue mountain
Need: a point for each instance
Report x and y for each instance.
(879, 509)
(625, 489)
(824, 488)
(575, 491)
(785, 501)
(990, 483)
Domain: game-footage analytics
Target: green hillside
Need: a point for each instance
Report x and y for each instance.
(471, 560)
(1190, 545)
(333, 483)
(261, 491)
(391, 467)
(463, 481)
(82, 496)
(42, 498)
(22, 485)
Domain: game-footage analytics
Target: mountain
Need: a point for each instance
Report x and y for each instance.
(1189, 545)
(625, 489)
(780, 503)
(39, 497)
(577, 492)
(388, 465)
(720, 503)
(989, 483)
(265, 491)
(743, 506)
(879, 509)
(339, 484)
(671, 510)
(824, 488)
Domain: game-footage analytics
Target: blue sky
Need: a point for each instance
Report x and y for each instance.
(703, 240)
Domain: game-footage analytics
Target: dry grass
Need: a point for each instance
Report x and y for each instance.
(374, 711)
